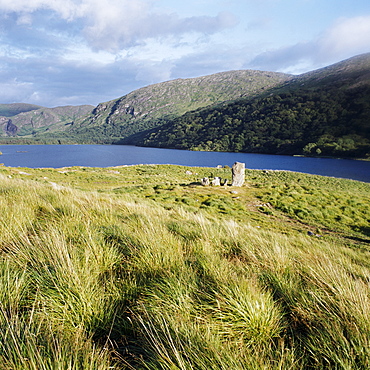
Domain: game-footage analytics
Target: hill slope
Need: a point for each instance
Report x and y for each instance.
(41, 120)
(321, 112)
(147, 107)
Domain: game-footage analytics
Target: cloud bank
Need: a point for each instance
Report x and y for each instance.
(345, 38)
(114, 24)
(61, 52)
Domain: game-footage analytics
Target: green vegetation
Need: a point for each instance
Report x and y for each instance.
(9, 110)
(28, 125)
(321, 113)
(310, 124)
(149, 106)
(141, 267)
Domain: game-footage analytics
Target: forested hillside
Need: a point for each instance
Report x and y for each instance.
(147, 107)
(325, 112)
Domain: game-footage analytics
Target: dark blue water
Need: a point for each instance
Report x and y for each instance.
(56, 156)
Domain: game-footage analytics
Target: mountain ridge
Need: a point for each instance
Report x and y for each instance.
(145, 107)
(322, 112)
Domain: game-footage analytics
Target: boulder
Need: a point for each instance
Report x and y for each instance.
(205, 181)
(216, 181)
(238, 174)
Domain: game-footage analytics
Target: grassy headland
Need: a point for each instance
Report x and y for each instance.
(141, 267)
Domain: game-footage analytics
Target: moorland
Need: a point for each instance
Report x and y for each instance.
(142, 267)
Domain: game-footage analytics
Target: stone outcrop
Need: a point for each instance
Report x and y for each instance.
(11, 129)
(216, 181)
(205, 181)
(238, 174)
(238, 177)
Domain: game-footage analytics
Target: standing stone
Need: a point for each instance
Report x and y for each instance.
(205, 181)
(238, 172)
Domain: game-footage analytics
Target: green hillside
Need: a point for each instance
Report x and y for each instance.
(141, 267)
(149, 106)
(325, 112)
(9, 110)
(35, 122)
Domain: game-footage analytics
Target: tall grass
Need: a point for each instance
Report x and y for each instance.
(106, 280)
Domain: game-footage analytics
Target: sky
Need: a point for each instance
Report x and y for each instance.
(74, 52)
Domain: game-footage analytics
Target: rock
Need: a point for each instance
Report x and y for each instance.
(238, 172)
(11, 129)
(205, 181)
(216, 181)
(268, 205)
(188, 173)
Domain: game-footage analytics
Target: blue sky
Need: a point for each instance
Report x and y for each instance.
(71, 52)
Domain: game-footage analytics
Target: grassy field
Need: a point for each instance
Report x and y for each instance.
(141, 267)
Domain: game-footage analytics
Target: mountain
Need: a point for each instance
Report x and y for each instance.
(40, 120)
(324, 112)
(149, 106)
(9, 110)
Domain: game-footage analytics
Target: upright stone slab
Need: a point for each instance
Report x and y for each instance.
(238, 172)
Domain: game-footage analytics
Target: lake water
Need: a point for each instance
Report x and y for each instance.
(57, 156)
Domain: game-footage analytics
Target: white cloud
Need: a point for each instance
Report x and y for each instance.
(14, 91)
(115, 24)
(347, 37)
(67, 9)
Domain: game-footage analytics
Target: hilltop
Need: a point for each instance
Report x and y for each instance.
(9, 110)
(141, 109)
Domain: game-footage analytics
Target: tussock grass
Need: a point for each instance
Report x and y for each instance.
(95, 278)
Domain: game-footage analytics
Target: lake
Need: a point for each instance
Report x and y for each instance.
(57, 156)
